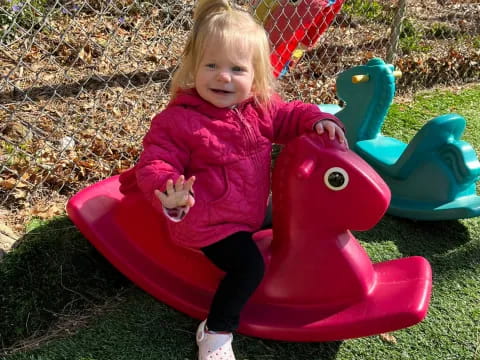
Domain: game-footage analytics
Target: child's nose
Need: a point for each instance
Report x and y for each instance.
(224, 76)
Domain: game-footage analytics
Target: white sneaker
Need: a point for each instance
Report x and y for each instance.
(213, 346)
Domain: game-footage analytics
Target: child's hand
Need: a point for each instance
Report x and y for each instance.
(332, 129)
(179, 195)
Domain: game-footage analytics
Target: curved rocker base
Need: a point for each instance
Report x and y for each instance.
(382, 153)
(461, 208)
(126, 232)
(408, 281)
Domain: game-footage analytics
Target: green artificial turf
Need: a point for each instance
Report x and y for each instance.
(55, 271)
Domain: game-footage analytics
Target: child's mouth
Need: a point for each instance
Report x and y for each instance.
(221, 92)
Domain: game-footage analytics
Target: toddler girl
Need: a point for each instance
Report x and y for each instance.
(206, 157)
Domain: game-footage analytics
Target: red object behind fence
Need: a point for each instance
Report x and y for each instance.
(291, 24)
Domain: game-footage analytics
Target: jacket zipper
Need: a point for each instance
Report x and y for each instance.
(251, 138)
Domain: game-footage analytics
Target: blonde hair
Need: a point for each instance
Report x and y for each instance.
(234, 28)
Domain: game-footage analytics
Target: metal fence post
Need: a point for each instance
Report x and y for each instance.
(395, 30)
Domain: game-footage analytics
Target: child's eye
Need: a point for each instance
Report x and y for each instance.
(210, 66)
(239, 69)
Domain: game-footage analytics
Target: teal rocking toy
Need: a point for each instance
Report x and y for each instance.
(431, 178)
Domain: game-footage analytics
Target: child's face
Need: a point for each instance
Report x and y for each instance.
(224, 80)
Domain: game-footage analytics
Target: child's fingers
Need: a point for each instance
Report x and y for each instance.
(340, 135)
(319, 128)
(189, 183)
(330, 127)
(179, 183)
(169, 187)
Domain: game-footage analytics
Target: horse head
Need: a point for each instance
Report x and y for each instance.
(323, 185)
(368, 92)
(320, 191)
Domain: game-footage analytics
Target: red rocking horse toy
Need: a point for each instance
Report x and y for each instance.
(320, 284)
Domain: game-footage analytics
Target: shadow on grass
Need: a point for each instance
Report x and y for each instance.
(53, 271)
(266, 349)
(140, 327)
(448, 244)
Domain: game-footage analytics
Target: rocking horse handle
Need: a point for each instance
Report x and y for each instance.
(356, 79)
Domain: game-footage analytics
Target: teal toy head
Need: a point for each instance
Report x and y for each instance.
(368, 92)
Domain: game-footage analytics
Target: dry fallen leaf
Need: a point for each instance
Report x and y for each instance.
(389, 338)
(8, 184)
(46, 212)
(19, 194)
(85, 54)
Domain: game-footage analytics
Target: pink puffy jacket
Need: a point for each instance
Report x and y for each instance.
(228, 151)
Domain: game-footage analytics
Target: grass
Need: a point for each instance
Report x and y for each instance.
(405, 119)
(52, 273)
(16, 17)
(55, 277)
(411, 37)
(368, 11)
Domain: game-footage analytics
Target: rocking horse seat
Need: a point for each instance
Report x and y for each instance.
(319, 285)
(330, 108)
(383, 151)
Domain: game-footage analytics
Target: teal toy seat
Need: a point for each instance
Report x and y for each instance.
(431, 178)
(330, 108)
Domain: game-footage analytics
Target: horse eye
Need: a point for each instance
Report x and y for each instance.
(336, 178)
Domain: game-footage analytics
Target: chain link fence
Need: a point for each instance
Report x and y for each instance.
(81, 80)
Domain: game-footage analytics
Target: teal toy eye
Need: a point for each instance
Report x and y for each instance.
(336, 178)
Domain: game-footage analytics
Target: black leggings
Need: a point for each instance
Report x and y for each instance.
(240, 258)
